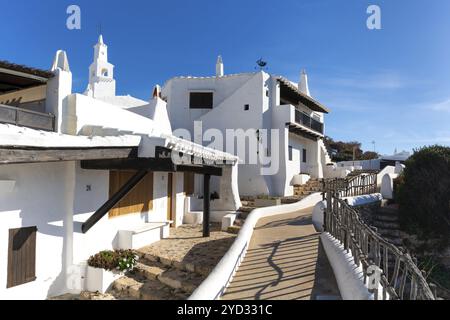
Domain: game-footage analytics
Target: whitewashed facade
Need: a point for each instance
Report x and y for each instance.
(58, 197)
(255, 101)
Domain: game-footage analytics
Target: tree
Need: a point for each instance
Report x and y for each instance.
(423, 193)
(343, 151)
(369, 155)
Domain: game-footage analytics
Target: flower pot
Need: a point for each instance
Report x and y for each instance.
(99, 280)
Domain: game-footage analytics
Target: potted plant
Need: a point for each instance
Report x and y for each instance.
(107, 266)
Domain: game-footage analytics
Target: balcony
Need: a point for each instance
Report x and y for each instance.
(298, 122)
(305, 120)
(27, 118)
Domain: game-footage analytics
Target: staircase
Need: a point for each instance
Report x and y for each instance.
(304, 190)
(248, 203)
(386, 221)
(155, 278)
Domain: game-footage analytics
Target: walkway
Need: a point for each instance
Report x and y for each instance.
(285, 261)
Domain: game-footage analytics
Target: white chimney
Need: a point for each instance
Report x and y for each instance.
(219, 67)
(303, 84)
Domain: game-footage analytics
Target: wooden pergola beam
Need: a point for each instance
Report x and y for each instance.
(152, 164)
(16, 155)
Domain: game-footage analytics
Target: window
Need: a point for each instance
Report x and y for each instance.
(201, 100)
(304, 156)
(21, 256)
(267, 93)
(246, 107)
(290, 153)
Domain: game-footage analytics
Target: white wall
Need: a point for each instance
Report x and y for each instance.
(54, 197)
(83, 111)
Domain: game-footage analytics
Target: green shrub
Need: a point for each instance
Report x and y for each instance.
(423, 193)
(123, 260)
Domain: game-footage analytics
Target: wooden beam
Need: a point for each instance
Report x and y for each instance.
(10, 155)
(151, 164)
(206, 205)
(213, 171)
(108, 205)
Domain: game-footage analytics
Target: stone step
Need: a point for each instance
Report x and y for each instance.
(290, 200)
(150, 270)
(134, 287)
(234, 229)
(391, 233)
(246, 209)
(243, 215)
(388, 211)
(386, 217)
(165, 263)
(387, 225)
(183, 280)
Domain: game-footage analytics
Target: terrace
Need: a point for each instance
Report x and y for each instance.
(23, 97)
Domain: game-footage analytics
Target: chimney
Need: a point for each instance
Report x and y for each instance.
(303, 84)
(219, 67)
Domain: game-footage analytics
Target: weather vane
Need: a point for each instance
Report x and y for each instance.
(261, 64)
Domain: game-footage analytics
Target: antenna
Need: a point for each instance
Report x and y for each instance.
(261, 64)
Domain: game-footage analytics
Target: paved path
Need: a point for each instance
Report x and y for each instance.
(285, 261)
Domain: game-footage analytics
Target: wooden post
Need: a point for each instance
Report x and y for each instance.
(206, 204)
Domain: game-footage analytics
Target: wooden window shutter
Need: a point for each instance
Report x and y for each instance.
(189, 181)
(21, 256)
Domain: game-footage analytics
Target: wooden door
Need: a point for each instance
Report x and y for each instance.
(170, 205)
(139, 200)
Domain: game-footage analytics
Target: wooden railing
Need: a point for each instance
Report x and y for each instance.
(27, 118)
(396, 273)
(304, 119)
(353, 185)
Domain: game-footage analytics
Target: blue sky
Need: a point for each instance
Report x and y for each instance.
(391, 86)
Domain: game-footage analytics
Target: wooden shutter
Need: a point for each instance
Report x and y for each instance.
(139, 200)
(189, 180)
(21, 256)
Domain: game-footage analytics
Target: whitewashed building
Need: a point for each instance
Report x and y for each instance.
(255, 101)
(80, 173)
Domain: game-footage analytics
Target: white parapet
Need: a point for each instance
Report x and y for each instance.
(228, 221)
(387, 185)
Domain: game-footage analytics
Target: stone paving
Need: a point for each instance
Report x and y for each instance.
(187, 249)
(285, 261)
(169, 269)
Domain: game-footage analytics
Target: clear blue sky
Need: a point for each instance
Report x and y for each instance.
(390, 85)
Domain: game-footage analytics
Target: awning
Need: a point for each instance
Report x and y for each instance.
(292, 92)
(16, 77)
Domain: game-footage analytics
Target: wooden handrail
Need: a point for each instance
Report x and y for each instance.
(368, 248)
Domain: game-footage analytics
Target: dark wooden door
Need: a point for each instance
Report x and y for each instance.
(21, 256)
(170, 200)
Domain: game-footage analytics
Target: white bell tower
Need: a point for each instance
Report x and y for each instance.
(101, 73)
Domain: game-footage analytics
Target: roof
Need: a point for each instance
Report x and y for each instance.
(124, 101)
(16, 77)
(15, 136)
(296, 94)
